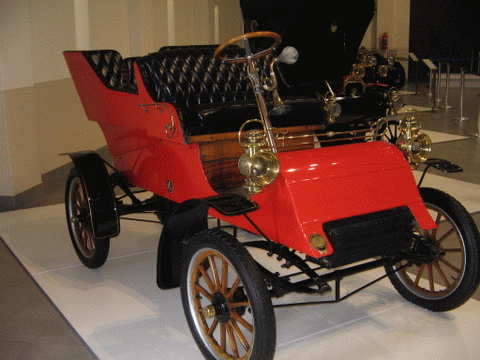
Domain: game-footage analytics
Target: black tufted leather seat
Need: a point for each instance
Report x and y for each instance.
(114, 71)
(210, 96)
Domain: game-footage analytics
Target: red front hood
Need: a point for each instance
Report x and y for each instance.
(320, 185)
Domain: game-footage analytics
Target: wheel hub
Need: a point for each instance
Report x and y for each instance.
(222, 309)
(427, 252)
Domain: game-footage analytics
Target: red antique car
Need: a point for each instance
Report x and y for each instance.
(204, 130)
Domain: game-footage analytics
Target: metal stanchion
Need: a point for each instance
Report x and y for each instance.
(430, 84)
(477, 134)
(478, 66)
(478, 123)
(415, 61)
(434, 93)
(462, 93)
(447, 88)
(439, 81)
(432, 69)
(471, 63)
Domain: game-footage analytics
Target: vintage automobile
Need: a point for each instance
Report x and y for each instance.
(372, 69)
(331, 66)
(205, 131)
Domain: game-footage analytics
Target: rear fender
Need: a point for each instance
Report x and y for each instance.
(101, 198)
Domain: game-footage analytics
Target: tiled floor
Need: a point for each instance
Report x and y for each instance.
(32, 328)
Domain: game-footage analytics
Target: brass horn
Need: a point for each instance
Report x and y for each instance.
(289, 55)
(279, 107)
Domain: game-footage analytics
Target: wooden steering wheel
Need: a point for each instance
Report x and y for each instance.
(244, 37)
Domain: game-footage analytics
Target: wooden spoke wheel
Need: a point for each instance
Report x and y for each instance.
(225, 299)
(390, 132)
(449, 273)
(91, 251)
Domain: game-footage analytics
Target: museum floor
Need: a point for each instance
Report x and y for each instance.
(32, 327)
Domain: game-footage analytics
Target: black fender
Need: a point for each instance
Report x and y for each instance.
(189, 218)
(101, 198)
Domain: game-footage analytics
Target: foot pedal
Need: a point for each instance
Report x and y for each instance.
(443, 165)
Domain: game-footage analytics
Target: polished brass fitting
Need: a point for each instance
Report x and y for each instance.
(416, 146)
(318, 242)
(260, 165)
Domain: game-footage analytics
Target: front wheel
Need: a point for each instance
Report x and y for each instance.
(91, 251)
(446, 261)
(226, 303)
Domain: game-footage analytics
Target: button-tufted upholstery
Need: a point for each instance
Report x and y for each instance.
(190, 76)
(213, 96)
(210, 96)
(114, 71)
(204, 90)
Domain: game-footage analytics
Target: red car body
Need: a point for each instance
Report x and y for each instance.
(314, 186)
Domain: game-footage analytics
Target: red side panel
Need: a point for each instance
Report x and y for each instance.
(101, 104)
(145, 138)
(171, 170)
(129, 121)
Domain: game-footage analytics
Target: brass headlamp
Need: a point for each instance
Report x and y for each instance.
(416, 146)
(382, 70)
(395, 103)
(258, 163)
(331, 107)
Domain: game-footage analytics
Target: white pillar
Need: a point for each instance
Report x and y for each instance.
(82, 25)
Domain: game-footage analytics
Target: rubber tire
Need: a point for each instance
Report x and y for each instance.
(81, 229)
(468, 279)
(260, 307)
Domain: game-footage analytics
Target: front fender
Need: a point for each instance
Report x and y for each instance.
(189, 218)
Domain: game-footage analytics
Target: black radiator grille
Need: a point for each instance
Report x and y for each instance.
(377, 234)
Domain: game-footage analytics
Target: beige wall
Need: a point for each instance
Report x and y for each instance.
(40, 113)
(19, 147)
(392, 17)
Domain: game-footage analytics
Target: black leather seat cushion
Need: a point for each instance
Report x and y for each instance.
(212, 96)
(229, 116)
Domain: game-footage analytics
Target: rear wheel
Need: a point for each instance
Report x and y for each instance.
(226, 302)
(396, 76)
(388, 132)
(445, 271)
(91, 251)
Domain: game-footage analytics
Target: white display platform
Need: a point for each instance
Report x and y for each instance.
(121, 314)
(438, 137)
